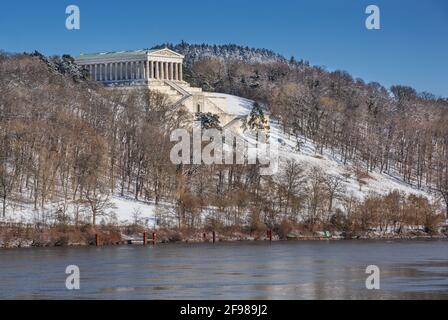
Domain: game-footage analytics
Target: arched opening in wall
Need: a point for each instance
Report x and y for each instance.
(198, 108)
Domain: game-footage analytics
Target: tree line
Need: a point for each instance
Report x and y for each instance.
(72, 144)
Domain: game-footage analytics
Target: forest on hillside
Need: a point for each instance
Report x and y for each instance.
(69, 141)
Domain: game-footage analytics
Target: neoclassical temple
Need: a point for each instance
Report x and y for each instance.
(161, 70)
(133, 66)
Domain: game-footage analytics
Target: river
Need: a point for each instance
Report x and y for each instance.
(243, 270)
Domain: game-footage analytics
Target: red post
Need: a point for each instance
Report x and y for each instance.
(214, 236)
(270, 235)
(154, 238)
(145, 240)
(97, 240)
(204, 236)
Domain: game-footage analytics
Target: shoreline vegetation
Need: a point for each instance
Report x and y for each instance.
(28, 236)
(356, 159)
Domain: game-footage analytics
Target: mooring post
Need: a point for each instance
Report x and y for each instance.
(214, 236)
(145, 240)
(97, 240)
(204, 236)
(154, 238)
(270, 235)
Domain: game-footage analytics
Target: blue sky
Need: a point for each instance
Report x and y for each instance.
(411, 48)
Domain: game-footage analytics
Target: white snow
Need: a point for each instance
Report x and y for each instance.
(236, 105)
(126, 209)
(309, 157)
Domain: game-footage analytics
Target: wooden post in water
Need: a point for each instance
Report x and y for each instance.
(214, 236)
(145, 239)
(97, 240)
(204, 237)
(270, 235)
(154, 238)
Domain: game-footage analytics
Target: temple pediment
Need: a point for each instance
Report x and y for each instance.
(165, 52)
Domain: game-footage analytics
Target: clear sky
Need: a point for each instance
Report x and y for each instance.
(410, 49)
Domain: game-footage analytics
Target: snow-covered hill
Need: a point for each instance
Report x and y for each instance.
(309, 157)
(126, 210)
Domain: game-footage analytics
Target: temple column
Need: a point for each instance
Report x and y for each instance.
(151, 70)
(143, 70)
(147, 71)
(171, 71)
(131, 68)
(126, 71)
(175, 71)
(162, 72)
(137, 70)
(157, 70)
(181, 76)
(166, 71)
(162, 67)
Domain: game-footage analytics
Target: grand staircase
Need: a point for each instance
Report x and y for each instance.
(184, 94)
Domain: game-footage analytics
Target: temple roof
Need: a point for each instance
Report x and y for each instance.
(123, 54)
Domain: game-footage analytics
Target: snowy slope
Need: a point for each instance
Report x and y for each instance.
(123, 211)
(236, 105)
(126, 210)
(309, 157)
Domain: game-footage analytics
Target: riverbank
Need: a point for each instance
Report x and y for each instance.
(26, 236)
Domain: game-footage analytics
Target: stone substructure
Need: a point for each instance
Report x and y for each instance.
(160, 70)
